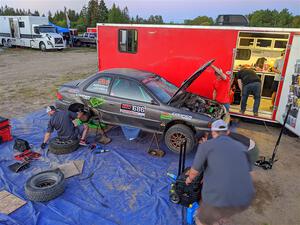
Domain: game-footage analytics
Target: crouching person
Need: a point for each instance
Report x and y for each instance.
(227, 184)
(64, 122)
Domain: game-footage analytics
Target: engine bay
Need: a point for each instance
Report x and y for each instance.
(194, 103)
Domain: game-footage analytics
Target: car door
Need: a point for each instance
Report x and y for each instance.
(135, 105)
(96, 95)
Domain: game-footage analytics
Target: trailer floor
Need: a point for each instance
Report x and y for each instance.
(28, 81)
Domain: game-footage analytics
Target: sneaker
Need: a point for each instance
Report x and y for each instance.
(242, 112)
(255, 114)
(83, 143)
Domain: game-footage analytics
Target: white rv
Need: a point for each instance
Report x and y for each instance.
(29, 31)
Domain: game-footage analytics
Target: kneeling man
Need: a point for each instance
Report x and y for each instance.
(64, 122)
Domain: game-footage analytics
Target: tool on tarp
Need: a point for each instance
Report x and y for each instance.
(268, 163)
(97, 149)
(27, 155)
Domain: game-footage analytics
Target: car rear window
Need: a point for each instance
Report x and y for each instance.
(100, 85)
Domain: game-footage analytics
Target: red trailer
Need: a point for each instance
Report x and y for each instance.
(91, 30)
(176, 51)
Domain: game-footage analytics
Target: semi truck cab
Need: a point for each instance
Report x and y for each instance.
(47, 37)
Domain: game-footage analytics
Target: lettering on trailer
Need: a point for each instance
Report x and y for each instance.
(133, 110)
(183, 116)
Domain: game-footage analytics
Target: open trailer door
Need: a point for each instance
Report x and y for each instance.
(290, 93)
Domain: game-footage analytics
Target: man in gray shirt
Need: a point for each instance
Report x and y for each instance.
(227, 184)
(65, 125)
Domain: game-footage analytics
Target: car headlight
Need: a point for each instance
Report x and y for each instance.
(49, 43)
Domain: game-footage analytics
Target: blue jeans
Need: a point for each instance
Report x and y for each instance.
(254, 89)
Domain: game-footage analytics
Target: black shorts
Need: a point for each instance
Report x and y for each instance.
(275, 85)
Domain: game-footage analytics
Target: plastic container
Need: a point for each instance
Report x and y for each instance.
(5, 130)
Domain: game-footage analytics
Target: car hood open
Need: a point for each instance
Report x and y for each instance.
(191, 79)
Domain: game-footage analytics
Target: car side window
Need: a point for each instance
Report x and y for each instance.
(124, 88)
(100, 85)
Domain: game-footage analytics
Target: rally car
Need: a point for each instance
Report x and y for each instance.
(145, 100)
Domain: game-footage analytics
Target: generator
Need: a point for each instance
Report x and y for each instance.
(180, 193)
(5, 130)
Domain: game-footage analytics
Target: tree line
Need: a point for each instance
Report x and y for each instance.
(96, 11)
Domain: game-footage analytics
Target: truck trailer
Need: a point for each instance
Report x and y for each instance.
(29, 31)
(173, 51)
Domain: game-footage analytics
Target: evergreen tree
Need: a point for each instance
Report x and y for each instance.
(92, 13)
(103, 12)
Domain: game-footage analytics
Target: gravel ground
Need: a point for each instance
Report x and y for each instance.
(29, 77)
(28, 82)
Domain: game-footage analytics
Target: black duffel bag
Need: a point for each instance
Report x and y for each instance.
(21, 145)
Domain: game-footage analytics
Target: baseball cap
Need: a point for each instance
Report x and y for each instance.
(219, 125)
(50, 108)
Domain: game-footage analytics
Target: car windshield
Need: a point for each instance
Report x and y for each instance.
(161, 88)
(47, 29)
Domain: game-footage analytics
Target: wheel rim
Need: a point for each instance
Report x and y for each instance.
(176, 140)
(43, 47)
(175, 198)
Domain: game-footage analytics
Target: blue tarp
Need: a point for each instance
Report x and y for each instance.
(60, 29)
(123, 186)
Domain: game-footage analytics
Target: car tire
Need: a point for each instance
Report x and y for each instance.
(8, 43)
(42, 46)
(60, 147)
(3, 42)
(174, 136)
(78, 44)
(45, 186)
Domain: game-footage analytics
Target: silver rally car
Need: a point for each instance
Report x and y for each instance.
(146, 101)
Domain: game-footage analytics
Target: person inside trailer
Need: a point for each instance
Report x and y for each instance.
(278, 65)
(249, 83)
(64, 122)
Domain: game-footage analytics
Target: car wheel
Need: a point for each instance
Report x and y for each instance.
(8, 43)
(45, 186)
(78, 44)
(3, 42)
(60, 147)
(42, 46)
(176, 134)
(174, 198)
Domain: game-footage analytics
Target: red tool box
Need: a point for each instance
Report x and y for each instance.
(5, 130)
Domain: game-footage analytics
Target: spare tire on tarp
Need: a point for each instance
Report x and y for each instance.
(58, 146)
(45, 185)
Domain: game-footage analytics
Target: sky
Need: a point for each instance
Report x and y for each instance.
(170, 10)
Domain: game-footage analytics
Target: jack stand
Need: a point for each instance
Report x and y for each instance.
(156, 152)
(267, 164)
(104, 139)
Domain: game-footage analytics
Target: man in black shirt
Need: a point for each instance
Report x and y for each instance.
(249, 83)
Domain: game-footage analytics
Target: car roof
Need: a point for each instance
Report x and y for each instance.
(131, 73)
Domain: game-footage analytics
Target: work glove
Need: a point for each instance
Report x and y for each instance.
(43, 145)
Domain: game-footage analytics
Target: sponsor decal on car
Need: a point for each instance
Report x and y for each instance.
(96, 102)
(183, 116)
(83, 96)
(166, 116)
(133, 109)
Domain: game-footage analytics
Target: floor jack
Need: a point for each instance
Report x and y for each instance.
(186, 195)
(268, 164)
